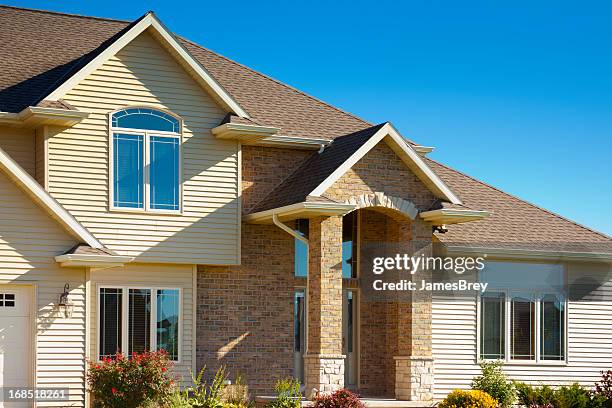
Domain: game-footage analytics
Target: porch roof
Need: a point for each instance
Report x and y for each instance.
(321, 170)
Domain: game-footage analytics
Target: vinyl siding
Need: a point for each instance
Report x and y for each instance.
(143, 73)
(29, 239)
(454, 340)
(150, 275)
(40, 154)
(19, 144)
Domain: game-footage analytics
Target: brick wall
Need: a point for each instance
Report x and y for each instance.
(263, 168)
(245, 313)
(380, 170)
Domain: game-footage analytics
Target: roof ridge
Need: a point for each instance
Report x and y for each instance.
(365, 122)
(42, 11)
(523, 200)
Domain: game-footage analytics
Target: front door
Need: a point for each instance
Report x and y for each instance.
(15, 330)
(349, 338)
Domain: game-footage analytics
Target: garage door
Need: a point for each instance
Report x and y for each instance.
(15, 329)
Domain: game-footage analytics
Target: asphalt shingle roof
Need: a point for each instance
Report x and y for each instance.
(41, 49)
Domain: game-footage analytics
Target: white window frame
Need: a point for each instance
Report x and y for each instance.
(537, 297)
(147, 160)
(125, 315)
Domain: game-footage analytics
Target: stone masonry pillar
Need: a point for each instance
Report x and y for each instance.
(323, 361)
(414, 360)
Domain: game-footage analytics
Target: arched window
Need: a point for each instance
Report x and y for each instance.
(146, 162)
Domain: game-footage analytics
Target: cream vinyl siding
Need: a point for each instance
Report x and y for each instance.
(589, 341)
(29, 240)
(40, 155)
(150, 276)
(19, 144)
(143, 73)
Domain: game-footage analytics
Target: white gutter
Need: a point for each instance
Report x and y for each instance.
(532, 254)
(297, 235)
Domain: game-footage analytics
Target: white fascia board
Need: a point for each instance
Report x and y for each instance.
(295, 142)
(530, 254)
(32, 188)
(388, 131)
(150, 20)
(323, 208)
(79, 260)
(453, 216)
(52, 112)
(235, 130)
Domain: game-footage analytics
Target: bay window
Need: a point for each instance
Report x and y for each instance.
(522, 314)
(137, 320)
(145, 157)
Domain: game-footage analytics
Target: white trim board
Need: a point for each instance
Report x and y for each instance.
(408, 155)
(151, 21)
(31, 187)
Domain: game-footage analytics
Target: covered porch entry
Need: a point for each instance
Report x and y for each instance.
(377, 343)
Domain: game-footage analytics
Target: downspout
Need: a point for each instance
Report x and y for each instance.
(297, 235)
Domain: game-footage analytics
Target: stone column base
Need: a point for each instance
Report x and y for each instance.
(323, 373)
(414, 378)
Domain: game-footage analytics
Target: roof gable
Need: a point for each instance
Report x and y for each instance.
(320, 172)
(30, 71)
(148, 22)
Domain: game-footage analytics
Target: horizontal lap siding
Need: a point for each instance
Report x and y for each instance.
(589, 344)
(143, 73)
(151, 275)
(19, 144)
(29, 239)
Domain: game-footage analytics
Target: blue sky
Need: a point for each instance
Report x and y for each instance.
(515, 93)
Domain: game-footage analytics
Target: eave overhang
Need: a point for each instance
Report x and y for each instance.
(446, 216)
(294, 142)
(528, 254)
(93, 261)
(300, 210)
(246, 134)
(34, 116)
(265, 136)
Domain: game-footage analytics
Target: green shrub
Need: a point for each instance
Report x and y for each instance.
(200, 394)
(342, 398)
(468, 399)
(494, 382)
(287, 394)
(534, 396)
(122, 382)
(573, 396)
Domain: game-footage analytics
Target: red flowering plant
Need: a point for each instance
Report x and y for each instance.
(342, 398)
(138, 381)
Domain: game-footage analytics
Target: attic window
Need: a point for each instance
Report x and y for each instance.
(146, 160)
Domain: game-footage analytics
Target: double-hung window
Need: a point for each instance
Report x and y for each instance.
(135, 319)
(145, 160)
(523, 313)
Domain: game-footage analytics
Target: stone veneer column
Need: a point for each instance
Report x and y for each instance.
(323, 361)
(414, 361)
